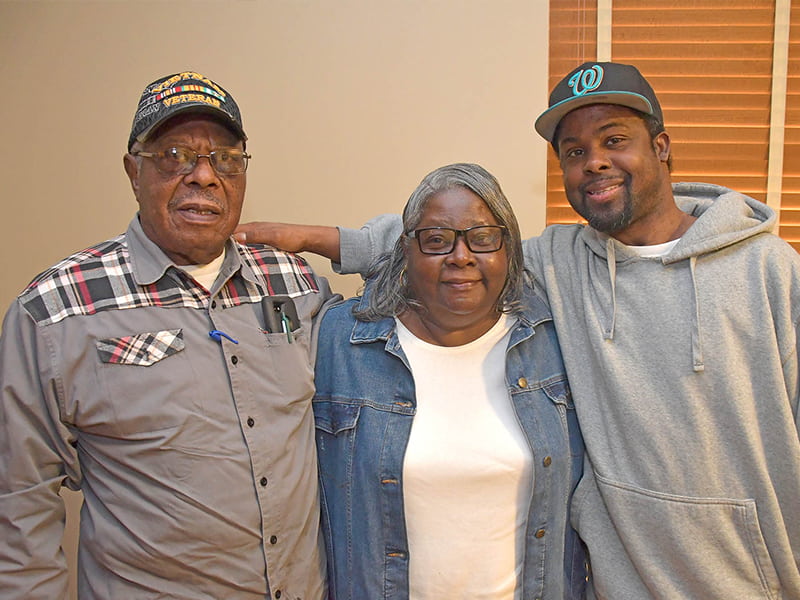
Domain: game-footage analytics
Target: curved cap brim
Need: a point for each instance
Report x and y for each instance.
(548, 121)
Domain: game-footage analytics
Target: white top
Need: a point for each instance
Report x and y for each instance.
(206, 274)
(467, 473)
(655, 250)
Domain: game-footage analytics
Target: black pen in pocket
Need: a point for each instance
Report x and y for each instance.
(280, 315)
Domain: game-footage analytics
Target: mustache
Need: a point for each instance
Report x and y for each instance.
(203, 195)
(602, 180)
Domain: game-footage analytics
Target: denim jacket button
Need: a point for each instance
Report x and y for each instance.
(522, 382)
(539, 534)
(547, 461)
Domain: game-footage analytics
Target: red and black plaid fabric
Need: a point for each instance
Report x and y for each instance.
(101, 278)
(143, 349)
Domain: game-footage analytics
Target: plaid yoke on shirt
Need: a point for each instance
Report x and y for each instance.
(101, 278)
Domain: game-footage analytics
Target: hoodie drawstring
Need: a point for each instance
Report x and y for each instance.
(697, 348)
(611, 258)
(698, 363)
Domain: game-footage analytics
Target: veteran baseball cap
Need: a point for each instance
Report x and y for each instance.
(598, 83)
(182, 92)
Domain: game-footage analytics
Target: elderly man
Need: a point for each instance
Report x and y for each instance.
(677, 311)
(167, 374)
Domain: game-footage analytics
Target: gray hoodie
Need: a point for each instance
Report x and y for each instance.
(684, 371)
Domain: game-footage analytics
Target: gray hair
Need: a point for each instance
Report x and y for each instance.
(389, 293)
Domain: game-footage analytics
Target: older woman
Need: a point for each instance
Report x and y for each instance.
(447, 440)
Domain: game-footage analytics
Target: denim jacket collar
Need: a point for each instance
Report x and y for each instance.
(534, 311)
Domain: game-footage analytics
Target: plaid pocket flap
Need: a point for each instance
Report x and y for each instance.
(142, 349)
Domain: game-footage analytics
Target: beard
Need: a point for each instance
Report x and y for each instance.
(608, 221)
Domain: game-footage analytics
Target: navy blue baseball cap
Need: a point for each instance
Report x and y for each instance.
(598, 83)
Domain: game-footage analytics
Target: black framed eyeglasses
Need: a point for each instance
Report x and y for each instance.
(181, 161)
(442, 240)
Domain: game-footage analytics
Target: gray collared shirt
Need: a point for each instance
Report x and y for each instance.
(195, 453)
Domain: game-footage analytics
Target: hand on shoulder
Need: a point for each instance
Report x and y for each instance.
(319, 239)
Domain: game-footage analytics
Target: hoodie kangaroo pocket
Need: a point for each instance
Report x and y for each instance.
(679, 546)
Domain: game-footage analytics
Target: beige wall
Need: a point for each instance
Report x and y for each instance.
(348, 104)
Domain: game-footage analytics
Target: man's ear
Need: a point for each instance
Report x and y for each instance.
(132, 169)
(662, 145)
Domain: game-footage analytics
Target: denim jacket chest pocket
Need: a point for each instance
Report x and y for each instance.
(558, 391)
(547, 413)
(335, 417)
(340, 417)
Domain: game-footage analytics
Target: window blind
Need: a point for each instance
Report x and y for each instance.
(790, 201)
(711, 64)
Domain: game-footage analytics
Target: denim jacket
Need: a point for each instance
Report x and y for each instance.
(364, 406)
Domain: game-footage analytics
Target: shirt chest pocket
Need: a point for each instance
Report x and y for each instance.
(148, 384)
(142, 349)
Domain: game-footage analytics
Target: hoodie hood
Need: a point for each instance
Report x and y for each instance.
(724, 217)
(728, 217)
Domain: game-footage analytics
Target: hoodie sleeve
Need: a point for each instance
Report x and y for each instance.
(533, 257)
(792, 375)
(360, 247)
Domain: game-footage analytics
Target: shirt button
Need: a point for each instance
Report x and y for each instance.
(522, 382)
(273, 540)
(546, 462)
(263, 482)
(234, 359)
(250, 421)
(278, 594)
(539, 534)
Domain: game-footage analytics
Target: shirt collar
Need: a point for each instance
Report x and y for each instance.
(149, 263)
